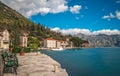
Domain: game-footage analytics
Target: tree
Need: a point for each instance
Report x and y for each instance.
(33, 43)
(77, 42)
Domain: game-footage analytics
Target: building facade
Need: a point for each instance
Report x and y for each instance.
(23, 40)
(50, 43)
(4, 39)
(61, 43)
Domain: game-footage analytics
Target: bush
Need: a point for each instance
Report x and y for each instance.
(16, 49)
(26, 50)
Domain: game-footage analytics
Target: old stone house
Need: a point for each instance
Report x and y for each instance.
(4, 39)
(23, 39)
(49, 43)
(53, 43)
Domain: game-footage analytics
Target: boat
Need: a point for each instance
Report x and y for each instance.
(58, 49)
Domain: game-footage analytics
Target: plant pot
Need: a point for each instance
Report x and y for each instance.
(10, 49)
(22, 53)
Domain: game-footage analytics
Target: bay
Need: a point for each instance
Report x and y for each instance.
(88, 61)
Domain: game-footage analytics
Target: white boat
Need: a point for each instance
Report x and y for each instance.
(58, 49)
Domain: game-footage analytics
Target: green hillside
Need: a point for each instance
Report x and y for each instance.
(9, 16)
(16, 23)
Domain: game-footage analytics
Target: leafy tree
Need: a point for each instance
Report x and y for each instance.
(77, 42)
(33, 43)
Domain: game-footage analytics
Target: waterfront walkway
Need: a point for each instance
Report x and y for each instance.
(33, 64)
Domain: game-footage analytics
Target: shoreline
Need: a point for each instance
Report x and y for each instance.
(65, 48)
(77, 48)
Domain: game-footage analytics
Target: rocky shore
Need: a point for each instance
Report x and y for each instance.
(32, 64)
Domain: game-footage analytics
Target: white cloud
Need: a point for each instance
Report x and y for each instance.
(32, 7)
(118, 14)
(29, 8)
(108, 17)
(104, 17)
(103, 9)
(86, 31)
(56, 29)
(75, 9)
(107, 32)
(75, 31)
(82, 16)
(77, 18)
(118, 1)
(86, 7)
(112, 16)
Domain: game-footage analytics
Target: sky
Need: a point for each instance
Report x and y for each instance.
(72, 16)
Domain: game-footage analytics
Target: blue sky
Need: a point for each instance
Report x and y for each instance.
(89, 16)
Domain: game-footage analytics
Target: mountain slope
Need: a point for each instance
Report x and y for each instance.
(9, 16)
(16, 23)
(102, 40)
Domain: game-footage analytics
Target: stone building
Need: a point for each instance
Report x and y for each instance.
(61, 43)
(49, 43)
(53, 43)
(23, 39)
(4, 39)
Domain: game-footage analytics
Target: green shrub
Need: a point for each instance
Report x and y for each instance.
(26, 50)
(16, 49)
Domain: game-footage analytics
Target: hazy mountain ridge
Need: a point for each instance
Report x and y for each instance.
(101, 40)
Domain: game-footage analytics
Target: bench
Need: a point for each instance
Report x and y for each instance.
(1, 66)
(10, 62)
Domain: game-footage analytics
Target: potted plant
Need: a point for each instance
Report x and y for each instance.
(22, 52)
(10, 49)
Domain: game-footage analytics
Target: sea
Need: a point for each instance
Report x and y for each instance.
(88, 61)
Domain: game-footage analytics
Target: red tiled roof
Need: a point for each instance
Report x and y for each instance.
(49, 39)
(60, 40)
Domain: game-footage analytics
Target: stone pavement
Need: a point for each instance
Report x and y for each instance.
(33, 64)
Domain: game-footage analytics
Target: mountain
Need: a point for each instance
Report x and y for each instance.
(101, 40)
(10, 16)
(16, 24)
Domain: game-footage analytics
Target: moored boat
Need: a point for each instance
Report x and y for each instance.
(58, 49)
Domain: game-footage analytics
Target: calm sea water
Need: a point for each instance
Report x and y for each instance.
(89, 61)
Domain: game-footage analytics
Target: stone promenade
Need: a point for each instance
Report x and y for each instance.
(32, 64)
